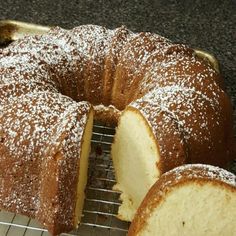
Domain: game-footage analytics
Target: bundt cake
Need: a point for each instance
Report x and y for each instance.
(189, 200)
(173, 111)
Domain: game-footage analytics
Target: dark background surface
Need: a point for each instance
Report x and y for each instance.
(205, 24)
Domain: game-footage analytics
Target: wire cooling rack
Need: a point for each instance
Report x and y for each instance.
(101, 203)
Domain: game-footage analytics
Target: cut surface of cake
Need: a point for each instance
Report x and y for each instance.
(189, 200)
(137, 158)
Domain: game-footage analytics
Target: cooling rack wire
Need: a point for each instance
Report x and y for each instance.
(101, 203)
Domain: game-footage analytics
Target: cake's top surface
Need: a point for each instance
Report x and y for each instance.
(202, 171)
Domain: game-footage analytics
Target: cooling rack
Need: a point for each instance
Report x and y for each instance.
(101, 203)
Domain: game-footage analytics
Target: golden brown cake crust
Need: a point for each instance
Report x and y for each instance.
(108, 115)
(197, 173)
(200, 118)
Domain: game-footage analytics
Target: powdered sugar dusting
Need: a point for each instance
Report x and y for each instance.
(194, 104)
(201, 171)
(182, 104)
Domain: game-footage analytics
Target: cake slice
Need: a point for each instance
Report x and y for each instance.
(44, 155)
(189, 200)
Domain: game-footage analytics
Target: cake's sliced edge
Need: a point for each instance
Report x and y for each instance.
(137, 167)
(190, 194)
(131, 168)
(83, 168)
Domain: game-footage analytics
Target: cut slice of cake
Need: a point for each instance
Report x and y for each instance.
(189, 200)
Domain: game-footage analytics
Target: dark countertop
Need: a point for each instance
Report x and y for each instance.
(206, 24)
